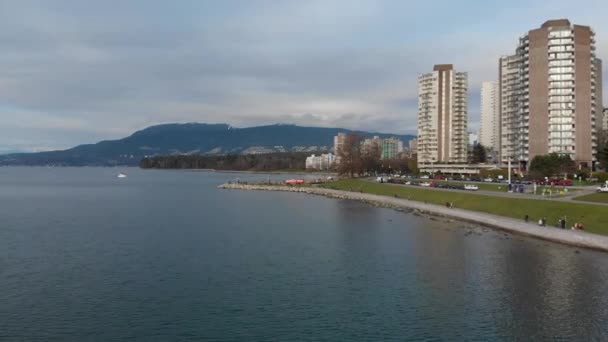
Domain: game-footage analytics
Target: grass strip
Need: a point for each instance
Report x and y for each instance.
(593, 217)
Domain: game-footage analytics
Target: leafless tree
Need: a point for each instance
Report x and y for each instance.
(349, 156)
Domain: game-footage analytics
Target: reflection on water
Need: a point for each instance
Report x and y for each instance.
(168, 256)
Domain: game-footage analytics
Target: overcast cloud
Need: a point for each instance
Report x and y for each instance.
(76, 72)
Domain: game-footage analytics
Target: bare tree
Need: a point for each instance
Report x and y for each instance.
(370, 157)
(349, 156)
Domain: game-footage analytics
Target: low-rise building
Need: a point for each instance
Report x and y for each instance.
(322, 162)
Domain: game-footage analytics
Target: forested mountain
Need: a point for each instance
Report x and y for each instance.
(190, 139)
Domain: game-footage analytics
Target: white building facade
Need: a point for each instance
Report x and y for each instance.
(489, 130)
(323, 162)
(442, 116)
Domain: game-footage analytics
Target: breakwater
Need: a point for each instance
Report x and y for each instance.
(568, 237)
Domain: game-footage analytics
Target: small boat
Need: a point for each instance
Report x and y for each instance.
(122, 175)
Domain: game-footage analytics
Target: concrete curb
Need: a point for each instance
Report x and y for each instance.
(568, 237)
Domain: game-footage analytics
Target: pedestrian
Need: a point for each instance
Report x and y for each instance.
(563, 223)
(540, 222)
(544, 222)
(526, 218)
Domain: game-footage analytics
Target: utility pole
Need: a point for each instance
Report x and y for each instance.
(509, 169)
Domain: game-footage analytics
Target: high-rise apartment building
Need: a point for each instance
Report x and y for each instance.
(605, 120)
(548, 97)
(339, 141)
(442, 116)
(489, 130)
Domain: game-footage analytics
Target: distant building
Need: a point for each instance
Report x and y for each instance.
(339, 141)
(371, 144)
(605, 119)
(489, 131)
(413, 144)
(442, 116)
(322, 162)
(391, 147)
(473, 139)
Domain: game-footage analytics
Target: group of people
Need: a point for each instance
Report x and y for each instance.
(560, 224)
(577, 226)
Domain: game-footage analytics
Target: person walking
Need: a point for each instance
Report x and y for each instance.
(563, 223)
(526, 218)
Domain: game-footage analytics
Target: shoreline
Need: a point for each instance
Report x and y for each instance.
(252, 172)
(562, 236)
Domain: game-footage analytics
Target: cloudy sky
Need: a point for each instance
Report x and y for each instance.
(77, 71)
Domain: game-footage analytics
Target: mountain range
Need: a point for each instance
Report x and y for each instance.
(191, 138)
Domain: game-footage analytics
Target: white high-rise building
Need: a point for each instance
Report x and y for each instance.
(489, 131)
(442, 116)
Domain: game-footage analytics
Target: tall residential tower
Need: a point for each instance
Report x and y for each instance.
(442, 116)
(549, 99)
(489, 131)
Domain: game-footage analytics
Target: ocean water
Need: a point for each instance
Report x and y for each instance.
(166, 256)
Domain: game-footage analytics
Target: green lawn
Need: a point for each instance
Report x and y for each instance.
(593, 217)
(597, 197)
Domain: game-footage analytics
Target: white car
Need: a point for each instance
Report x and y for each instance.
(424, 177)
(471, 187)
(425, 184)
(603, 188)
(488, 180)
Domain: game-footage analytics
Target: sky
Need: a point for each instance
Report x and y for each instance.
(74, 72)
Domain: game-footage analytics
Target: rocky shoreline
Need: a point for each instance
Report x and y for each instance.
(568, 237)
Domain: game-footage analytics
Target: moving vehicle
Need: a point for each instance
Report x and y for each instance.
(122, 175)
(603, 188)
(471, 187)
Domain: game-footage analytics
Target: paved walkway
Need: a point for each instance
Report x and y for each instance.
(569, 237)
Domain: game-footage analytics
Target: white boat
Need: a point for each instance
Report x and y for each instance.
(122, 175)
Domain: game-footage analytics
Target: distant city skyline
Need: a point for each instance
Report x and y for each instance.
(79, 72)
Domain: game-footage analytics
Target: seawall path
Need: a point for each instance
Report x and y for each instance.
(564, 236)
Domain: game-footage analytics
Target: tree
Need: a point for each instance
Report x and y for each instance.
(370, 157)
(551, 165)
(349, 156)
(479, 154)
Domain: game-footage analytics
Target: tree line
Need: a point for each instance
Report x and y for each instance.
(237, 162)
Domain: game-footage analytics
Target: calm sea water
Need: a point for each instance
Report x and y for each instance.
(165, 256)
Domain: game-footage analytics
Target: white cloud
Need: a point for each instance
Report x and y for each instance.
(73, 71)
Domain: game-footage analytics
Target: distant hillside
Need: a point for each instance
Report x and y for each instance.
(192, 138)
